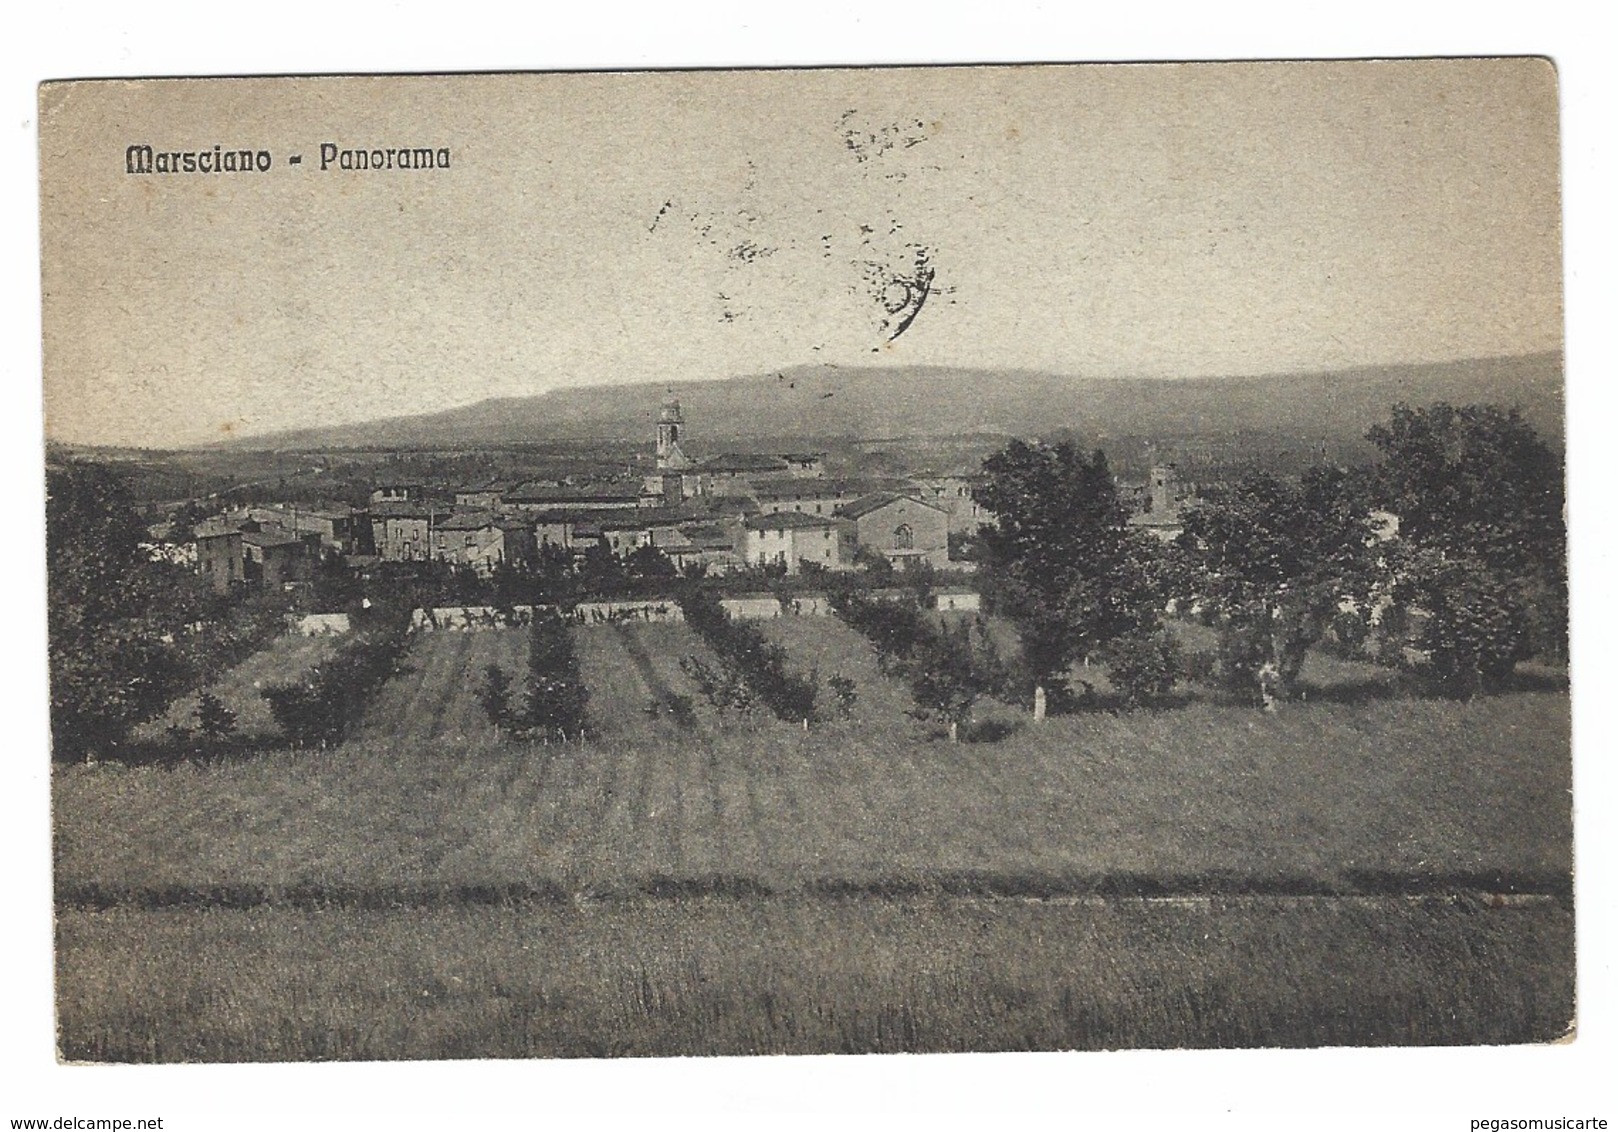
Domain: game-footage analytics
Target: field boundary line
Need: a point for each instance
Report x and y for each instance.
(663, 886)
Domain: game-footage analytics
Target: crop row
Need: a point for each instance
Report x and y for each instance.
(947, 668)
(326, 705)
(750, 666)
(553, 703)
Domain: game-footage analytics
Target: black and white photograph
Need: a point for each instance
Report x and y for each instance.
(843, 560)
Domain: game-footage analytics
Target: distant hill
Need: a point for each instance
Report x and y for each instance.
(867, 402)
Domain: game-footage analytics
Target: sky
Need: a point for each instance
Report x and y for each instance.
(1185, 220)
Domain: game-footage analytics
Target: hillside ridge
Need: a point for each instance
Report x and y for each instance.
(871, 401)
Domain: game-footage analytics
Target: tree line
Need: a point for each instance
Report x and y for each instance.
(750, 667)
(326, 705)
(1449, 552)
(129, 633)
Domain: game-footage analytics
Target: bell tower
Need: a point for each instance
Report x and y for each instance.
(670, 427)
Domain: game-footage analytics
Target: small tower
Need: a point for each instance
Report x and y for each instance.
(670, 425)
(1165, 489)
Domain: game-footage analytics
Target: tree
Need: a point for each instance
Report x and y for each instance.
(556, 699)
(1276, 559)
(648, 563)
(1475, 628)
(216, 721)
(111, 667)
(1475, 485)
(947, 677)
(746, 659)
(494, 696)
(721, 684)
(1144, 666)
(1059, 559)
(1475, 481)
(325, 706)
(183, 524)
(600, 572)
(875, 564)
(846, 692)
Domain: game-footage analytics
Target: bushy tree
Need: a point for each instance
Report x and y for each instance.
(216, 721)
(648, 563)
(947, 670)
(722, 685)
(946, 676)
(1275, 560)
(846, 692)
(1144, 666)
(556, 699)
(1473, 481)
(326, 705)
(494, 696)
(895, 627)
(1475, 628)
(1475, 487)
(1059, 558)
(113, 663)
(746, 656)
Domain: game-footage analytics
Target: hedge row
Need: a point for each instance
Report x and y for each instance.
(947, 670)
(554, 703)
(324, 708)
(749, 659)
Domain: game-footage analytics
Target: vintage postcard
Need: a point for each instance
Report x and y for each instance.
(807, 561)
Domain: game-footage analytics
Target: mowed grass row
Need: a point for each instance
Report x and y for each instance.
(283, 661)
(433, 699)
(1384, 794)
(705, 976)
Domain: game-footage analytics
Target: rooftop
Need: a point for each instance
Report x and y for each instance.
(469, 521)
(748, 462)
(708, 536)
(790, 521)
(270, 538)
(644, 517)
(405, 509)
(592, 493)
(800, 488)
(862, 507)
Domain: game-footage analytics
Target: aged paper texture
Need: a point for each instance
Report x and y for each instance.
(807, 561)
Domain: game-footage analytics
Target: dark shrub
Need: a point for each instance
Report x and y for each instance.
(1144, 666)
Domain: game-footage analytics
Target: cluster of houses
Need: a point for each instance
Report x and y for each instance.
(722, 513)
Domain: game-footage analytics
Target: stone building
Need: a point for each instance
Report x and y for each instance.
(791, 538)
(273, 557)
(903, 529)
(481, 541)
(219, 555)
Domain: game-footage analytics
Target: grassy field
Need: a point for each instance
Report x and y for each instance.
(1205, 875)
(1320, 797)
(434, 698)
(284, 660)
(712, 976)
